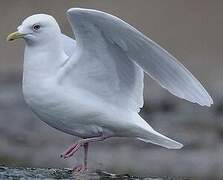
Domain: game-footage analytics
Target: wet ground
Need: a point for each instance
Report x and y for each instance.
(50, 173)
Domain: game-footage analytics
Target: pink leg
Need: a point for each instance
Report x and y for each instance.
(75, 147)
(83, 167)
(70, 151)
(85, 154)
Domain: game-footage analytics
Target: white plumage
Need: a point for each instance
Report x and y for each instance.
(93, 86)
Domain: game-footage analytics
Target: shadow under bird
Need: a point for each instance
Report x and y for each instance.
(92, 87)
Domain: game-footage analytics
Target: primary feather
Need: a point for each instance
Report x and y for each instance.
(98, 29)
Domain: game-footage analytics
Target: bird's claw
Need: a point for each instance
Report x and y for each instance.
(80, 169)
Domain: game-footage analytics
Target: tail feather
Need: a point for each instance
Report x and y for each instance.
(146, 133)
(151, 136)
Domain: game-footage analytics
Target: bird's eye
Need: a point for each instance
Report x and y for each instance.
(36, 27)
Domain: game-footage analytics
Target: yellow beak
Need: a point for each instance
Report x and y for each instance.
(14, 36)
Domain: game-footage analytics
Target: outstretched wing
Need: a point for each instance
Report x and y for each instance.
(104, 70)
(111, 54)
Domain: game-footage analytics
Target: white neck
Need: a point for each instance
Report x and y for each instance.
(42, 61)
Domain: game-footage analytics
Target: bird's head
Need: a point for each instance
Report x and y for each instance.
(36, 28)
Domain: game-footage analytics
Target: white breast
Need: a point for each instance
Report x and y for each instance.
(62, 110)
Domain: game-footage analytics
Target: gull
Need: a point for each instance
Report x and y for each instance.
(92, 86)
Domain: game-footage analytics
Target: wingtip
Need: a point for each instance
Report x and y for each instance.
(207, 99)
(209, 102)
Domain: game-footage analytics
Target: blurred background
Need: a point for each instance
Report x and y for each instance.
(190, 30)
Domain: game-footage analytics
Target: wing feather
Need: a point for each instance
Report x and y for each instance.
(88, 25)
